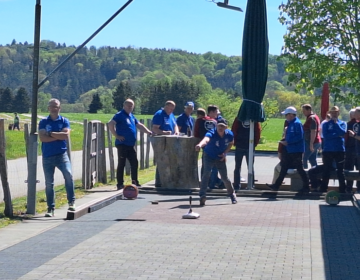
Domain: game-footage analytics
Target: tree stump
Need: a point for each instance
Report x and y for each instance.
(177, 161)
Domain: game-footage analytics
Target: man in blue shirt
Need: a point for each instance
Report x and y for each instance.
(216, 145)
(53, 133)
(295, 147)
(334, 132)
(164, 123)
(123, 126)
(185, 122)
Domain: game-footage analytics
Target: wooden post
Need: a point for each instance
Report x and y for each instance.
(111, 153)
(149, 125)
(85, 154)
(102, 154)
(88, 156)
(142, 146)
(177, 161)
(8, 212)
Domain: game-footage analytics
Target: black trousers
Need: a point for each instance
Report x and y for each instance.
(126, 152)
(328, 159)
(351, 161)
(293, 160)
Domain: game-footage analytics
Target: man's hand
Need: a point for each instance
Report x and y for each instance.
(311, 147)
(284, 143)
(197, 147)
(176, 133)
(120, 138)
(351, 133)
(222, 157)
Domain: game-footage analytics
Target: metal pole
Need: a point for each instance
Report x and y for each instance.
(83, 44)
(33, 141)
(250, 184)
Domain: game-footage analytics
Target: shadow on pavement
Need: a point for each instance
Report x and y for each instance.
(340, 226)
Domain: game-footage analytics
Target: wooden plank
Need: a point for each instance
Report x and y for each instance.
(88, 151)
(147, 154)
(8, 212)
(111, 153)
(84, 154)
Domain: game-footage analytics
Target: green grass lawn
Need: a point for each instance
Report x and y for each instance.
(15, 142)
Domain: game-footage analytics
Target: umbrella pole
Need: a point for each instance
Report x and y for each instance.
(250, 183)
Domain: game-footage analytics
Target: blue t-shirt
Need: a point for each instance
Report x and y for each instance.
(184, 121)
(166, 122)
(57, 147)
(126, 127)
(217, 145)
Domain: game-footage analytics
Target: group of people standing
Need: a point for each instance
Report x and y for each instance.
(339, 141)
(301, 143)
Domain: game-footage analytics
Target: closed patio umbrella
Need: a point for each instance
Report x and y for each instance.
(255, 51)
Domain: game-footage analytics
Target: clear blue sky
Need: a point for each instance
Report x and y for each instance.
(192, 25)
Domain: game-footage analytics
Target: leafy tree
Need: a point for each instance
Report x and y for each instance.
(21, 101)
(6, 100)
(121, 93)
(322, 44)
(95, 104)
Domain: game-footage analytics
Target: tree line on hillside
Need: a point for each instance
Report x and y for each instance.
(149, 76)
(11, 103)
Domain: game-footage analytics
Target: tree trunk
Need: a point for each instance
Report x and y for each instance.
(177, 161)
(8, 212)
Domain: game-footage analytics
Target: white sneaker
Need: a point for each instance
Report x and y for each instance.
(242, 180)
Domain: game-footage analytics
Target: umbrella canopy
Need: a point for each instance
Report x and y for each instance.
(255, 51)
(325, 100)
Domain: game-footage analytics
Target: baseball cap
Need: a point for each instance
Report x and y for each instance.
(222, 122)
(189, 104)
(289, 110)
(334, 109)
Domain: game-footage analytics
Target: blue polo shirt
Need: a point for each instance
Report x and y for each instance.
(217, 145)
(333, 134)
(57, 147)
(126, 127)
(166, 122)
(184, 121)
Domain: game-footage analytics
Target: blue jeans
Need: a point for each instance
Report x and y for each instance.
(239, 154)
(309, 155)
(62, 162)
(209, 163)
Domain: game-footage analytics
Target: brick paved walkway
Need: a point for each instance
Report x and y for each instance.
(254, 239)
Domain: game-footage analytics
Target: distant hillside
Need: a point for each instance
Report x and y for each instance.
(143, 69)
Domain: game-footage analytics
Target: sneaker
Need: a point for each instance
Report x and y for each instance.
(119, 187)
(202, 200)
(136, 183)
(71, 206)
(272, 187)
(242, 180)
(233, 198)
(50, 212)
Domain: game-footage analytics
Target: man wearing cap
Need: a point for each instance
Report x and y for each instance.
(185, 122)
(123, 127)
(334, 149)
(312, 137)
(216, 145)
(295, 146)
(164, 123)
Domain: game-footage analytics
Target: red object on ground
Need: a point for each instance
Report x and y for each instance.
(325, 96)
